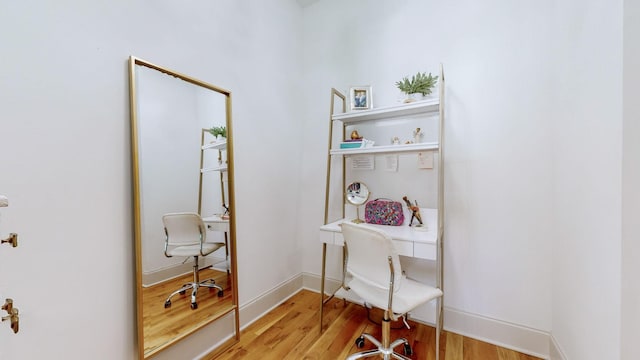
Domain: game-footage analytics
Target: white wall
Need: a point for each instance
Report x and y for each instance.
(498, 189)
(64, 91)
(630, 309)
(587, 138)
(168, 149)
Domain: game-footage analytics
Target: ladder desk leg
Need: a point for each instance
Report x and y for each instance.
(324, 261)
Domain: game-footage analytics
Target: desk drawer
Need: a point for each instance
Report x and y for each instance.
(327, 237)
(425, 251)
(404, 248)
(218, 226)
(338, 239)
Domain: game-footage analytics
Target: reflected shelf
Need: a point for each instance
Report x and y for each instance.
(219, 145)
(222, 168)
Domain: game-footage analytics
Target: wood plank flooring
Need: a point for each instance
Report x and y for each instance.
(291, 331)
(163, 325)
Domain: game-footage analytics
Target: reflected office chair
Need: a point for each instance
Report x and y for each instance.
(377, 278)
(187, 236)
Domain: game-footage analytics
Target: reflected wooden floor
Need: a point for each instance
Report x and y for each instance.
(291, 331)
(162, 325)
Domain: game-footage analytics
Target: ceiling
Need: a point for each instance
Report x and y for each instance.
(304, 3)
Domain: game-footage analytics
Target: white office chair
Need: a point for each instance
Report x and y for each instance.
(187, 236)
(376, 277)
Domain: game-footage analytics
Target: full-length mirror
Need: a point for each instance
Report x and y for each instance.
(182, 156)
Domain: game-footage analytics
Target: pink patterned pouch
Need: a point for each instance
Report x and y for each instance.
(383, 212)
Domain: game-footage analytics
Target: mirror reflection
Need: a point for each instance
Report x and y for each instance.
(183, 195)
(357, 194)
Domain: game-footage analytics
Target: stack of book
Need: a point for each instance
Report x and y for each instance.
(351, 144)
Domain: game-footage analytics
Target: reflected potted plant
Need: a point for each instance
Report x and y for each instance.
(219, 132)
(418, 86)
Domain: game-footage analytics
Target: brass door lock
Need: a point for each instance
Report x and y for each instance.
(12, 239)
(13, 315)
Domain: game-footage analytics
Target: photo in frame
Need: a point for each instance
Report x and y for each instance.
(361, 98)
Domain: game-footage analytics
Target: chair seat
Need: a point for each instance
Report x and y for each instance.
(194, 250)
(410, 294)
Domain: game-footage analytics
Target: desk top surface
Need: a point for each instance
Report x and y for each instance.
(403, 232)
(214, 219)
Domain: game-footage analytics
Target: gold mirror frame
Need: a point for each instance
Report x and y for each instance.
(137, 216)
(357, 193)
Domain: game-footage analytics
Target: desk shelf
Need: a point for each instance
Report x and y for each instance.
(222, 167)
(386, 149)
(423, 182)
(213, 159)
(390, 112)
(420, 244)
(217, 145)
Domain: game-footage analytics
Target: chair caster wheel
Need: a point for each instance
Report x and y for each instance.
(182, 292)
(407, 350)
(167, 304)
(360, 342)
(194, 306)
(220, 293)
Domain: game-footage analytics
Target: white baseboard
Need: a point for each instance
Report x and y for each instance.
(258, 307)
(507, 335)
(511, 336)
(312, 282)
(555, 352)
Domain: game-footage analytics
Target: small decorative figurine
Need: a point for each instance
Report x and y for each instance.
(415, 211)
(355, 135)
(226, 215)
(395, 140)
(417, 135)
(367, 143)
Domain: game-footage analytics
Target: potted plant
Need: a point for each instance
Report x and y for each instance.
(218, 131)
(420, 83)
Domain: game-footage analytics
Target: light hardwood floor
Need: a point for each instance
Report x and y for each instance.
(162, 325)
(291, 331)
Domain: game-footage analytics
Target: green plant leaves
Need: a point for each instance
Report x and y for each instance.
(419, 83)
(218, 130)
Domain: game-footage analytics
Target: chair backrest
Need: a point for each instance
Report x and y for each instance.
(184, 228)
(368, 252)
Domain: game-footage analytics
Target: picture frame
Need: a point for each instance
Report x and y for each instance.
(361, 97)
